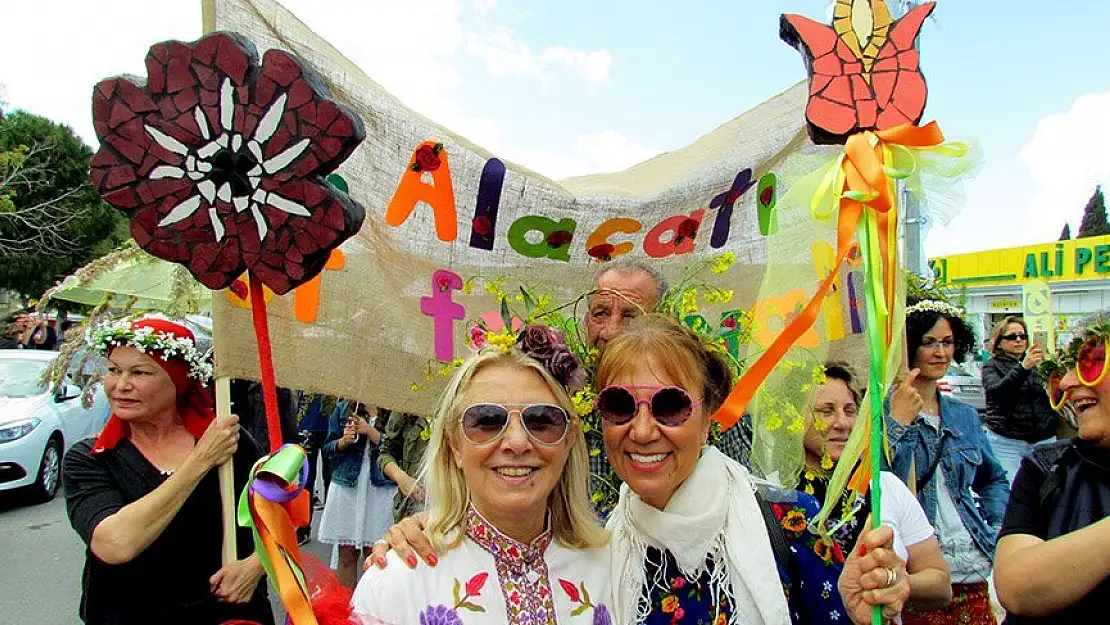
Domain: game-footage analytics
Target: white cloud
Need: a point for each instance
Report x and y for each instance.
(595, 153)
(593, 65)
(1067, 157)
(485, 6)
(505, 55)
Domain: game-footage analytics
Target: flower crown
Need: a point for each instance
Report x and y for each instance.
(102, 338)
(1066, 358)
(937, 306)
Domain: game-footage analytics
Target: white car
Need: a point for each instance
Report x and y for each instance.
(38, 426)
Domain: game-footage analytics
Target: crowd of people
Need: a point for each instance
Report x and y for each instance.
(484, 511)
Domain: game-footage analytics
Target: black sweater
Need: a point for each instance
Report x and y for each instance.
(1017, 404)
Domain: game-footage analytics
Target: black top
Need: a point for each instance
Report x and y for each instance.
(1017, 404)
(168, 583)
(1062, 487)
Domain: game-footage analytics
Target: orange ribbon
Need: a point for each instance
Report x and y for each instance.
(866, 180)
(275, 524)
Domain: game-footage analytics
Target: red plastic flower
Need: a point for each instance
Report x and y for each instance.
(220, 162)
(427, 158)
(483, 226)
(602, 251)
(559, 238)
(688, 229)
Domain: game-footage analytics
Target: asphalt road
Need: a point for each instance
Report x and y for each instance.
(41, 559)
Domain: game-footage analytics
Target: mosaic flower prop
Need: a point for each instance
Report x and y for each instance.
(219, 162)
(864, 72)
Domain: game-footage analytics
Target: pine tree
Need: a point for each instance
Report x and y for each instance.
(1094, 216)
(1065, 234)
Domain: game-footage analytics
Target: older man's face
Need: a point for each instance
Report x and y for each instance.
(622, 296)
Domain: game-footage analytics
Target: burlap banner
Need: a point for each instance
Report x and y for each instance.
(440, 210)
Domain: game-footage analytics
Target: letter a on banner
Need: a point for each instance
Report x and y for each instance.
(1036, 308)
(429, 158)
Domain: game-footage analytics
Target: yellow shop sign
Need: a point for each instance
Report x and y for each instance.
(1079, 259)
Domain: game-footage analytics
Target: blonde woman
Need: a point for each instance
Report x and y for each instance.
(508, 512)
(1018, 413)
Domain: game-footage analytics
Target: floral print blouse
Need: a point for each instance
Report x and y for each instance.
(808, 579)
(490, 578)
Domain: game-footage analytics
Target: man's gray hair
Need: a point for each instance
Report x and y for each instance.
(661, 285)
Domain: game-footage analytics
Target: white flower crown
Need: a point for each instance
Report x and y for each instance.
(105, 336)
(933, 305)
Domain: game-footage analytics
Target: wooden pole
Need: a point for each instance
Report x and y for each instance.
(227, 476)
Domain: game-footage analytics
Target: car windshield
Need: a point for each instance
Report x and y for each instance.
(21, 378)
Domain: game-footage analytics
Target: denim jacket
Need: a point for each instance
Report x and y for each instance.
(976, 481)
(345, 464)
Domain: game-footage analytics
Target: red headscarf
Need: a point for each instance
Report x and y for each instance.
(194, 402)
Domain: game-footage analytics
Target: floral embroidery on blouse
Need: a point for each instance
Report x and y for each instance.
(443, 615)
(521, 571)
(580, 597)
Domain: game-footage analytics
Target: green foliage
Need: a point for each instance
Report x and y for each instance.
(920, 288)
(1094, 216)
(1065, 234)
(62, 223)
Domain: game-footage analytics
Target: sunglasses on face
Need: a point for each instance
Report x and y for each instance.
(546, 424)
(669, 405)
(1090, 369)
(1015, 337)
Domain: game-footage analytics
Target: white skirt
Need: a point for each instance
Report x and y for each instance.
(357, 516)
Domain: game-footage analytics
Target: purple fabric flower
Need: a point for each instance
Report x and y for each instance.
(601, 615)
(440, 615)
(565, 368)
(538, 341)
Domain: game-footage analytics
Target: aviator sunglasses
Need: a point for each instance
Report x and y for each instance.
(485, 423)
(1090, 368)
(669, 405)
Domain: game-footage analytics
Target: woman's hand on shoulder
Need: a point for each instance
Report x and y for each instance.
(218, 444)
(874, 576)
(407, 539)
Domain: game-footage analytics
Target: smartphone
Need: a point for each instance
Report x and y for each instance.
(1040, 339)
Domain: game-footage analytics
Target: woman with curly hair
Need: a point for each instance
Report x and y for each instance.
(940, 450)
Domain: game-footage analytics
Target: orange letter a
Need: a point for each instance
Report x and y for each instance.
(428, 157)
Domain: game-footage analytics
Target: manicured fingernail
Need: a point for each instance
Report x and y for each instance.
(412, 561)
(381, 563)
(433, 560)
(862, 550)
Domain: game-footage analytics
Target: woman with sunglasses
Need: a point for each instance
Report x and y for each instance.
(1053, 562)
(1018, 414)
(691, 541)
(940, 451)
(506, 475)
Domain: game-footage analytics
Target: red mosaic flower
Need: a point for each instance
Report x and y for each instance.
(220, 162)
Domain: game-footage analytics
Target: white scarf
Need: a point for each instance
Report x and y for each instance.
(713, 515)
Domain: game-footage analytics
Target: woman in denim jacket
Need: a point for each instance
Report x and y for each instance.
(357, 511)
(958, 481)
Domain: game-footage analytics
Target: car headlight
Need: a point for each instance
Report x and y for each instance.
(19, 429)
